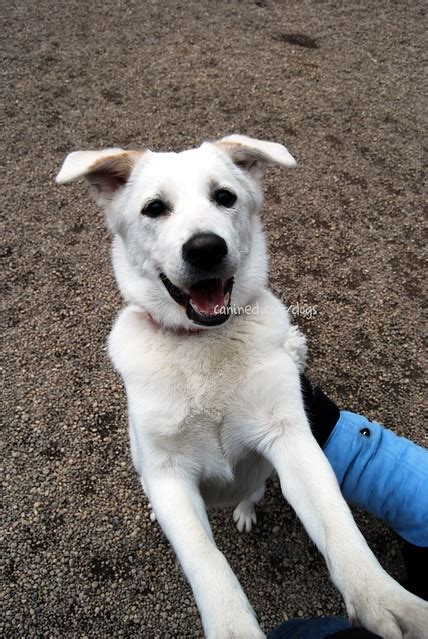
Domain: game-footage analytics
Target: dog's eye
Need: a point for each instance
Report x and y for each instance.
(226, 198)
(155, 208)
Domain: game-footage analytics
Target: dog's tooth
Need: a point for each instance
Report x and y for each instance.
(226, 299)
(196, 308)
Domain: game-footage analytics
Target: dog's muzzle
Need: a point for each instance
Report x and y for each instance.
(207, 303)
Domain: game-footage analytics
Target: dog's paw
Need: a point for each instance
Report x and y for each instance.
(393, 612)
(296, 346)
(244, 516)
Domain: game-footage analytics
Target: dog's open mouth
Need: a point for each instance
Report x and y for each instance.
(207, 302)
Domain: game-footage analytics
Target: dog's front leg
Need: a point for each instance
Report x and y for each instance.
(280, 430)
(224, 608)
(372, 597)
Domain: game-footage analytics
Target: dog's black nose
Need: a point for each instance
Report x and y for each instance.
(204, 250)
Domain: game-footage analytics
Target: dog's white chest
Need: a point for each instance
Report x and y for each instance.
(184, 389)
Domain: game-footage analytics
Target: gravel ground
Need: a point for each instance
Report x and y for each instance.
(345, 232)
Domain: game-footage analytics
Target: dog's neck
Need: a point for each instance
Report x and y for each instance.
(178, 330)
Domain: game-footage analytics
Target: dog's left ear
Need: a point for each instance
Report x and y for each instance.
(252, 155)
(107, 171)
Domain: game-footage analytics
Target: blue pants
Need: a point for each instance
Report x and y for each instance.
(385, 474)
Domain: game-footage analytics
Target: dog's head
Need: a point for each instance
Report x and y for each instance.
(185, 225)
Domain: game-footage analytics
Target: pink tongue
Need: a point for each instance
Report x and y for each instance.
(208, 296)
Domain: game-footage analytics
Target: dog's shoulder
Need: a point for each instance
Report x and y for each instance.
(129, 340)
(270, 320)
(270, 330)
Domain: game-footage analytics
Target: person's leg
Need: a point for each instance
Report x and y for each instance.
(385, 474)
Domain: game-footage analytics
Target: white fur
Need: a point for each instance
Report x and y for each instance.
(213, 413)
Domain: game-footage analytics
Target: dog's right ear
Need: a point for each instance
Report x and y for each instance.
(107, 171)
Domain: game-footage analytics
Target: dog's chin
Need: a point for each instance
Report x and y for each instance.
(207, 302)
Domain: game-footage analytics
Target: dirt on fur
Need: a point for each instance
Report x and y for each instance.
(340, 84)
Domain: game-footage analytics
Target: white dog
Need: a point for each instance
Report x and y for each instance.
(213, 387)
